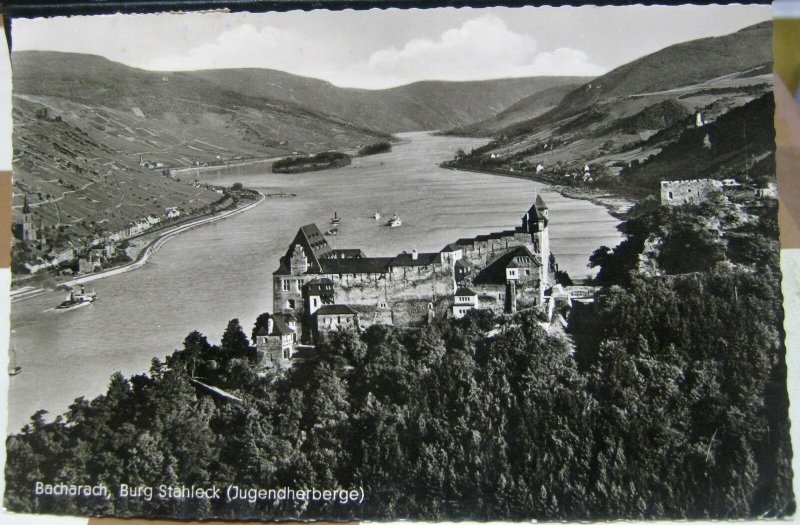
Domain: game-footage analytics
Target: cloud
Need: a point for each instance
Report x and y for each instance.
(481, 48)
(247, 46)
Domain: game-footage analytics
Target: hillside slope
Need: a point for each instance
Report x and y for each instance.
(94, 141)
(619, 121)
(529, 107)
(680, 65)
(428, 105)
(207, 119)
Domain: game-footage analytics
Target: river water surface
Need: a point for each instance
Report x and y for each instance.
(203, 278)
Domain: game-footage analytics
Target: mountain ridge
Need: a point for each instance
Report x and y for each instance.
(615, 123)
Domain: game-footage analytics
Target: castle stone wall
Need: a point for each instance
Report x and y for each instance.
(678, 192)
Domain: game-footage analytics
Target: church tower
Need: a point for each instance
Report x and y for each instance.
(28, 229)
(535, 222)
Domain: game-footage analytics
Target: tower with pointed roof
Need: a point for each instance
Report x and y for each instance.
(535, 222)
(28, 229)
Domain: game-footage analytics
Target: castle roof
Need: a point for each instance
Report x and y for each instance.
(280, 325)
(347, 253)
(495, 272)
(320, 281)
(452, 247)
(536, 214)
(335, 309)
(407, 259)
(314, 245)
(319, 286)
(360, 265)
(464, 291)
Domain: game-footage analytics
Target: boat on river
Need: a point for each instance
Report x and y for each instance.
(332, 232)
(335, 219)
(394, 222)
(77, 300)
(377, 215)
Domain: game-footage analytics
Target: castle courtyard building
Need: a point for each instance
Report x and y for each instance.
(331, 289)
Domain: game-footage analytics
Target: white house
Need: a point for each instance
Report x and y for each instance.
(464, 301)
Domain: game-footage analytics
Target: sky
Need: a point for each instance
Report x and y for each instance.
(376, 49)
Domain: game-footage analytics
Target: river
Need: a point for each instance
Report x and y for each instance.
(203, 278)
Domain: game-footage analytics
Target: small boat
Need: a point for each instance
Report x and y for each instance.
(394, 222)
(13, 368)
(377, 215)
(76, 300)
(335, 219)
(333, 232)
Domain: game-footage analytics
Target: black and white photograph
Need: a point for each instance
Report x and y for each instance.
(486, 264)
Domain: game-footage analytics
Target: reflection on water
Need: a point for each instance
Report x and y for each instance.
(205, 277)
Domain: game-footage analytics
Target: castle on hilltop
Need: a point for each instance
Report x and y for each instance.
(318, 288)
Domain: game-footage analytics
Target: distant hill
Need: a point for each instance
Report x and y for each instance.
(677, 66)
(684, 64)
(428, 105)
(531, 106)
(93, 139)
(622, 120)
(193, 119)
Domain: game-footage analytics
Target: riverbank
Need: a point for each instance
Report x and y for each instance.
(143, 248)
(617, 205)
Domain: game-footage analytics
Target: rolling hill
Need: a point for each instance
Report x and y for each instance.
(622, 119)
(427, 105)
(174, 116)
(529, 107)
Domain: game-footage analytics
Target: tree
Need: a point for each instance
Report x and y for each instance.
(234, 340)
(688, 247)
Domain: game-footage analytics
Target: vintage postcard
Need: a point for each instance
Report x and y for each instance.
(447, 264)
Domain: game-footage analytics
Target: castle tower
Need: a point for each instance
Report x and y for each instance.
(28, 229)
(535, 222)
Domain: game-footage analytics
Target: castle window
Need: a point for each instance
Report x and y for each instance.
(527, 271)
(290, 302)
(286, 285)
